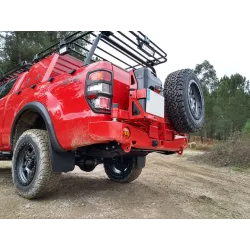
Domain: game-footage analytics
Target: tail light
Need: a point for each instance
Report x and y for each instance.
(99, 90)
(100, 75)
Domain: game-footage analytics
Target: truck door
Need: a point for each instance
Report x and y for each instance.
(4, 90)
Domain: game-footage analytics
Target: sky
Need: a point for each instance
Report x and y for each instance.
(219, 33)
(190, 31)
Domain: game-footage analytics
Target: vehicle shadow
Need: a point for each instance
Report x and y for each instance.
(83, 185)
(95, 186)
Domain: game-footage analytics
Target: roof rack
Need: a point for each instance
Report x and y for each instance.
(22, 67)
(128, 50)
(131, 50)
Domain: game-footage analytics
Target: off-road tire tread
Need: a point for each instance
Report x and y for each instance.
(46, 180)
(174, 102)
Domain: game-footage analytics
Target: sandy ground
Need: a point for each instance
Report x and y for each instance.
(169, 187)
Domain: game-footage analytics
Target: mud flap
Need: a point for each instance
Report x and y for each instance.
(62, 161)
(140, 161)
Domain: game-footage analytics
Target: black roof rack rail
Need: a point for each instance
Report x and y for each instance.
(132, 49)
(128, 50)
(22, 67)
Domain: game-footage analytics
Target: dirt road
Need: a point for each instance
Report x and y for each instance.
(169, 187)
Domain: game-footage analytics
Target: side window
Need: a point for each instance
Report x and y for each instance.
(1, 89)
(5, 89)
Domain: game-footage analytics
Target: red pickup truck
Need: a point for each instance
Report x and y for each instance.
(72, 106)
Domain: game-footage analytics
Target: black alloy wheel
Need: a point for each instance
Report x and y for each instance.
(26, 164)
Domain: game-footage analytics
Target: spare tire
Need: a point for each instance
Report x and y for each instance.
(184, 101)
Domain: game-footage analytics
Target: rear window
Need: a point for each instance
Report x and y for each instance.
(5, 89)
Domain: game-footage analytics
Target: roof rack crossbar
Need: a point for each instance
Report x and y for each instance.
(131, 56)
(121, 52)
(75, 33)
(139, 60)
(78, 37)
(131, 42)
(158, 51)
(117, 45)
(107, 53)
(163, 55)
(79, 54)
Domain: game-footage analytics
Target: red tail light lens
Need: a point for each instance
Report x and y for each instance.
(100, 76)
(101, 102)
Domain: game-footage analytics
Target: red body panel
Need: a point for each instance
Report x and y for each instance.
(74, 122)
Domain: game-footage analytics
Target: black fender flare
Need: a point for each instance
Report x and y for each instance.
(41, 110)
(61, 160)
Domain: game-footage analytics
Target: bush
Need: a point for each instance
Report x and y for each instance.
(246, 127)
(203, 146)
(196, 143)
(234, 152)
(199, 146)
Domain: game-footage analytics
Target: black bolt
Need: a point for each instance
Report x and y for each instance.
(50, 79)
(71, 72)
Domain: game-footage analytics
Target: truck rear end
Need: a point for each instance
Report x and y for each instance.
(135, 103)
(81, 104)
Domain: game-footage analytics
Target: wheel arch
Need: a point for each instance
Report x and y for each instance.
(37, 108)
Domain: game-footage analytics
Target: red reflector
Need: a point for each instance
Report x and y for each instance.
(100, 75)
(104, 103)
(101, 102)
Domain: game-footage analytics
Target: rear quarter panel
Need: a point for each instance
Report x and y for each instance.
(67, 107)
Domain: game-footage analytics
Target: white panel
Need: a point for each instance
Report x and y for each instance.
(155, 103)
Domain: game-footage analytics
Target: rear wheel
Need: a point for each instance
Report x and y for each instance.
(184, 101)
(123, 170)
(32, 172)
